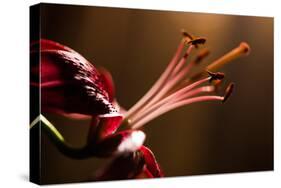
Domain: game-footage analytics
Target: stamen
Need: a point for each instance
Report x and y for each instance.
(180, 99)
(173, 106)
(196, 41)
(175, 97)
(192, 40)
(158, 83)
(199, 57)
(185, 89)
(242, 49)
(186, 34)
(181, 74)
(192, 93)
(169, 85)
(182, 62)
(228, 91)
(152, 94)
(215, 76)
(165, 94)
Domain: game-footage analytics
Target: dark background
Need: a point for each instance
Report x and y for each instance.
(136, 45)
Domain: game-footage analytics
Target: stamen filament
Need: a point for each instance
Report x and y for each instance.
(182, 62)
(163, 110)
(180, 91)
(192, 93)
(171, 83)
(176, 97)
(200, 57)
(165, 75)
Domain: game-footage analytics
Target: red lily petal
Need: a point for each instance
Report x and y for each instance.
(125, 166)
(103, 126)
(49, 45)
(69, 83)
(139, 164)
(74, 116)
(108, 82)
(151, 163)
(122, 142)
(108, 125)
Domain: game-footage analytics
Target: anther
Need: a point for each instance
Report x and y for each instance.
(197, 41)
(186, 34)
(216, 75)
(228, 92)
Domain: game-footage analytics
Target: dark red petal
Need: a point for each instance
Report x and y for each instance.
(92, 133)
(122, 142)
(108, 82)
(69, 82)
(103, 126)
(139, 164)
(48, 45)
(151, 163)
(108, 125)
(122, 167)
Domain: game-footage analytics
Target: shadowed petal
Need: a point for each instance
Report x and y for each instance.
(102, 127)
(108, 124)
(122, 167)
(138, 164)
(152, 166)
(69, 83)
(108, 82)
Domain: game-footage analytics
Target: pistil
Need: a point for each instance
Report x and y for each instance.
(242, 49)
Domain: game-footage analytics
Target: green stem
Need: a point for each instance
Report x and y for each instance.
(58, 139)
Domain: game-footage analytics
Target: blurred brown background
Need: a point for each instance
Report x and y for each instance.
(136, 45)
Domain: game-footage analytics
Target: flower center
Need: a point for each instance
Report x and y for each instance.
(177, 86)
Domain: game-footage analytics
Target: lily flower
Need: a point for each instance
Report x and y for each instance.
(176, 87)
(71, 84)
